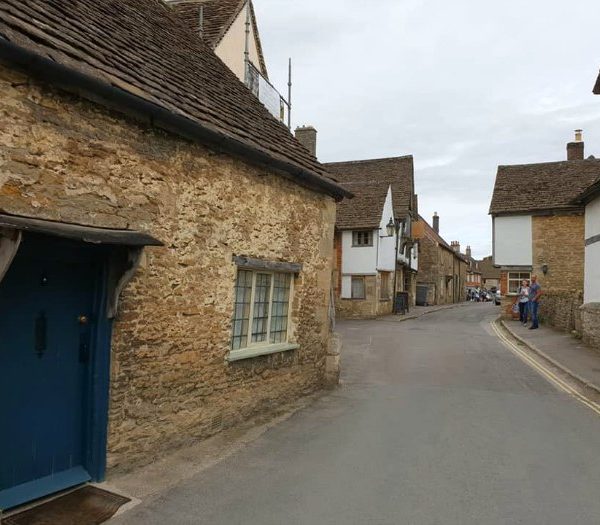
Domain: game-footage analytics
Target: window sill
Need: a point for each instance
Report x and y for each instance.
(248, 353)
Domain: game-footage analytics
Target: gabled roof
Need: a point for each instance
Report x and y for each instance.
(550, 186)
(488, 270)
(597, 86)
(369, 181)
(217, 17)
(591, 193)
(435, 236)
(136, 56)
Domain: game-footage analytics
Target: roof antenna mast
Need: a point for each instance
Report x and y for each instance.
(247, 47)
(290, 95)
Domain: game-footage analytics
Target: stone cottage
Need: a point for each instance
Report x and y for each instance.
(166, 245)
(590, 311)
(442, 269)
(375, 252)
(539, 229)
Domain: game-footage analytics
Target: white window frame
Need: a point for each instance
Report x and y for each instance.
(364, 280)
(263, 347)
(519, 279)
(357, 233)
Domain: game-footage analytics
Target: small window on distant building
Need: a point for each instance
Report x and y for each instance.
(362, 238)
(358, 287)
(515, 279)
(384, 293)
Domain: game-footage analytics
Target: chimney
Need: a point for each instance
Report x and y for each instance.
(307, 136)
(455, 246)
(468, 252)
(436, 222)
(575, 150)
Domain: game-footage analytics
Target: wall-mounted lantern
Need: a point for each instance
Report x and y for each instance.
(544, 269)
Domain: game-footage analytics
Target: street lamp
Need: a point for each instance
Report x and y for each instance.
(391, 227)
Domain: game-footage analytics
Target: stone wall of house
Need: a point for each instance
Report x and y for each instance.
(558, 242)
(366, 308)
(590, 324)
(441, 271)
(63, 158)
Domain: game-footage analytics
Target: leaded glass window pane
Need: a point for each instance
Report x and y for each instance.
(241, 315)
(280, 308)
(262, 296)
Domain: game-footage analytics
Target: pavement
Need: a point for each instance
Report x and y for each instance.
(436, 423)
(562, 349)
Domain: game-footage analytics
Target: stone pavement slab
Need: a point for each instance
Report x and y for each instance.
(564, 350)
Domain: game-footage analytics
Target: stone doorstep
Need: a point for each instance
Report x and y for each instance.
(584, 382)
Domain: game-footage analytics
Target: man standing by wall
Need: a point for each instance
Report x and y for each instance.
(535, 292)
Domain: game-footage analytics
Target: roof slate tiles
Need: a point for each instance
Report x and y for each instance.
(542, 187)
(217, 17)
(141, 47)
(369, 181)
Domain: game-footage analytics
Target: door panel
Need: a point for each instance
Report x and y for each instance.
(44, 388)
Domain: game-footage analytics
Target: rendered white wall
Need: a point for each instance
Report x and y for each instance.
(231, 49)
(592, 254)
(387, 245)
(513, 241)
(359, 260)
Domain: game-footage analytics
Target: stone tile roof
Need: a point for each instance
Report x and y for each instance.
(488, 270)
(218, 16)
(369, 181)
(588, 194)
(435, 236)
(140, 47)
(538, 187)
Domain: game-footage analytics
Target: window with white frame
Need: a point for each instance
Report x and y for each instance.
(384, 293)
(358, 287)
(362, 238)
(262, 307)
(515, 279)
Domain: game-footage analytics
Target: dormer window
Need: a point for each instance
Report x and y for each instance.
(362, 238)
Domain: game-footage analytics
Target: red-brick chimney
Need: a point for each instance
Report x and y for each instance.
(575, 150)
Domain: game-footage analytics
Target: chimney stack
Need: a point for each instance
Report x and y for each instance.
(455, 246)
(575, 150)
(468, 252)
(436, 222)
(307, 136)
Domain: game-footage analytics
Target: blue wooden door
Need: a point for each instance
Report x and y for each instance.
(47, 323)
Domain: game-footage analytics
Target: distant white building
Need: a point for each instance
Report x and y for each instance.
(369, 270)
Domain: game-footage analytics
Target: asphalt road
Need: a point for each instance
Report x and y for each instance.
(436, 423)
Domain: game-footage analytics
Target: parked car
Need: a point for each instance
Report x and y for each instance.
(497, 298)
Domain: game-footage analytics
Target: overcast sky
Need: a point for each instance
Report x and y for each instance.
(463, 86)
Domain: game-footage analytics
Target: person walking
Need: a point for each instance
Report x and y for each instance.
(535, 292)
(523, 299)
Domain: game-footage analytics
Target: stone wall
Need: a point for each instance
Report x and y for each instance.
(436, 263)
(590, 324)
(65, 159)
(558, 242)
(367, 308)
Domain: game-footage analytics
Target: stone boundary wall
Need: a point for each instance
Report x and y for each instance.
(590, 324)
(561, 309)
(62, 158)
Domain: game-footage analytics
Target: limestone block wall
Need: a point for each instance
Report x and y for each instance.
(360, 308)
(558, 242)
(63, 158)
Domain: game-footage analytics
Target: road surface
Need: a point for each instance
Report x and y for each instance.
(436, 423)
